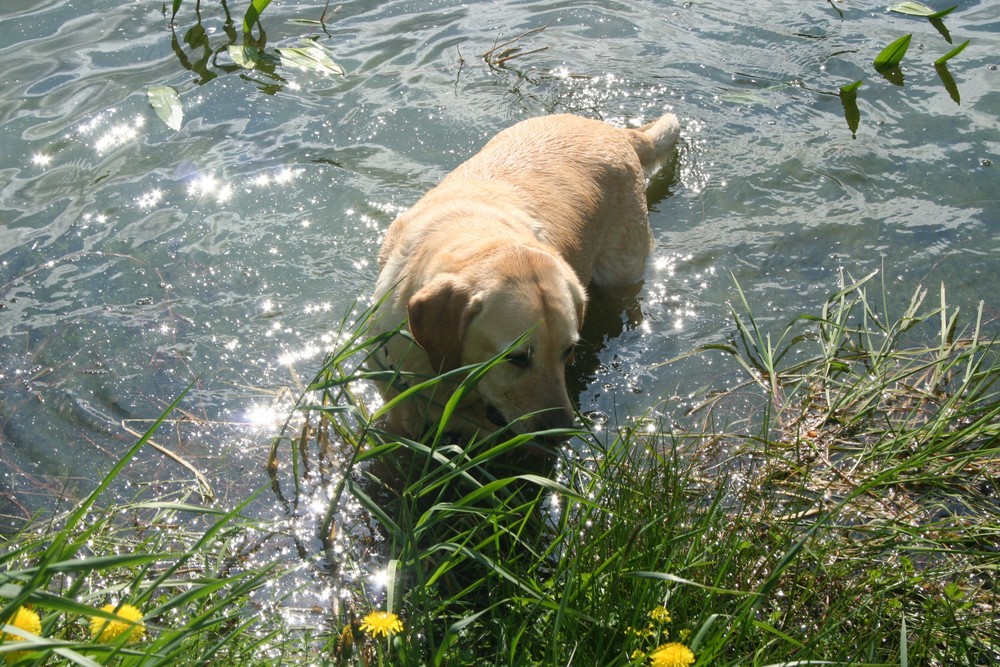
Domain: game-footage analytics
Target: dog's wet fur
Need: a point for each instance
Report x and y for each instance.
(502, 251)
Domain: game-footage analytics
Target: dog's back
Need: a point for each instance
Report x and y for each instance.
(582, 183)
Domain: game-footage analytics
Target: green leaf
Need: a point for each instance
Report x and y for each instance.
(665, 576)
(311, 56)
(850, 88)
(893, 54)
(940, 27)
(951, 54)
(177, 6)
(920, 9)
(912, 8)
(167, 105)
(253, 14)
(250, 57)
(943, 13)
(244, 56)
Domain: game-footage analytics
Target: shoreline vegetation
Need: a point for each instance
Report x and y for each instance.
(837, 505)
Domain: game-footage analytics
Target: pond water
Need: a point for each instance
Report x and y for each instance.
(136, 260)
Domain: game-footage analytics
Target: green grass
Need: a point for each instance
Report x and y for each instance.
(839, 506)
(181, 564)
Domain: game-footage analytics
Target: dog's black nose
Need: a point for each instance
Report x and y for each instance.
(557, 418)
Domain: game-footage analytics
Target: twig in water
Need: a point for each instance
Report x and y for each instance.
(494, 59)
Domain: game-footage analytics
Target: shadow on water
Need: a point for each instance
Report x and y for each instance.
(610, 312)
(948, 82)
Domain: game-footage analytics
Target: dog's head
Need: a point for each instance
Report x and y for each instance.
(473, 316)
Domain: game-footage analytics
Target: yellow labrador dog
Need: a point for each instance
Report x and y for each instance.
(503, 249)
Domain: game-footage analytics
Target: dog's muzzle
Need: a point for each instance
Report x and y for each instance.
(551, 419)
(495, 416)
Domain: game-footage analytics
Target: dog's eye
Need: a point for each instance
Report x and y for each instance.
(520, 358)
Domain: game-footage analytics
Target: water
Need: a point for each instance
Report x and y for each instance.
(136, 260)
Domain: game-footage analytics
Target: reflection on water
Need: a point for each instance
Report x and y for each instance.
(231, 254)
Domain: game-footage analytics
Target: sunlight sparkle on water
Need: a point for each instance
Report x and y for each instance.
(115, 136)
(695, 174)
(149, 199)
(207, 185)
(41, 159)
(324, 307)
(307, 351)
(261, 414)
(99, 218)
(380, 578)
(665, 264)
(286, 175)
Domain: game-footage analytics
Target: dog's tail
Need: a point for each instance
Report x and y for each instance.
(654, 141)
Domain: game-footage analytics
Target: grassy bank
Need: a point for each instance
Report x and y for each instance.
(838, 506)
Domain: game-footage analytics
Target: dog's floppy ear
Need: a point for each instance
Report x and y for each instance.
(438, 316)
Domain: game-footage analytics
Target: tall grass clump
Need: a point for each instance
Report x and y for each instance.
(837, 506)
(848, 514)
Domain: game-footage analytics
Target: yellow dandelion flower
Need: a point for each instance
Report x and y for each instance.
(106, 630)
(673, 654)
(381, 623)
(23, 619)
(660, 615)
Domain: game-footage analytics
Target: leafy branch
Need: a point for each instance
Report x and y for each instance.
(310, 54)
(887, 62)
